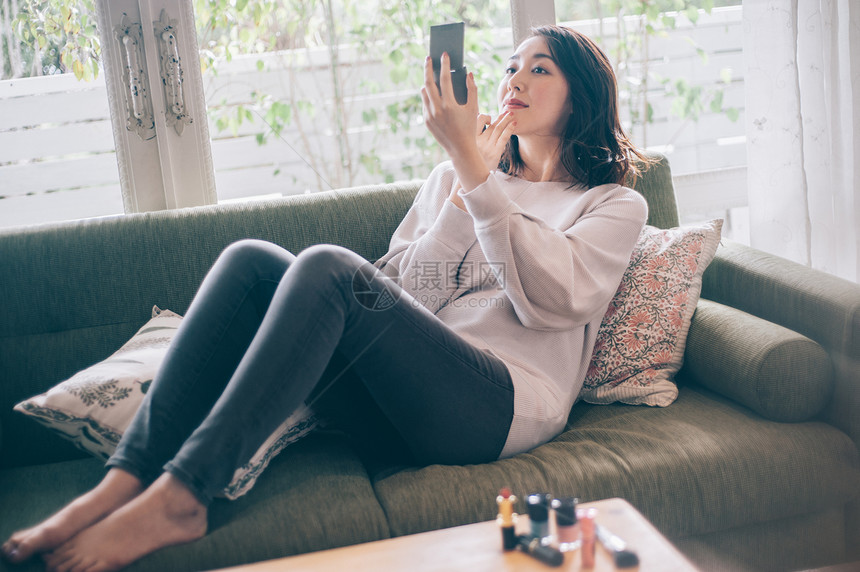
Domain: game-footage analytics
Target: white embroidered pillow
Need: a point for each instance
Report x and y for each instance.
(94, 407)
(640, 344)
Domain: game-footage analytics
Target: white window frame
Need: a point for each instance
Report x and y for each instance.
(526, 14)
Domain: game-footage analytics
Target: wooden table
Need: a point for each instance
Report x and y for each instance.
(478, 547)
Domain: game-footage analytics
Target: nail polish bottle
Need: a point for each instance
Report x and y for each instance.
(538, 508)
(566, 524)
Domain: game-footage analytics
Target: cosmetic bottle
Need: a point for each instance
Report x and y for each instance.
(567, 526)
(586, 520)
(507, 518)
(538, 507)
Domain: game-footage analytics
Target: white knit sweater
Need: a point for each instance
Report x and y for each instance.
(526, 274)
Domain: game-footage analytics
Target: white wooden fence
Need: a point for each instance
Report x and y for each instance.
(57, 157)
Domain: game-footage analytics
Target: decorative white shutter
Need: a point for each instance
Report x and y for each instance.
(158, 111)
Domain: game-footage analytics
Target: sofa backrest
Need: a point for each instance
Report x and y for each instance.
(74, 292)
(657, 188)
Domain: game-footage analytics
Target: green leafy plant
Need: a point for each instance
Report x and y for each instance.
(53, 36)
(288, 36)
(640, 21)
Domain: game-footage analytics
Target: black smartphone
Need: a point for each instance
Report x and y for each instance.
(450, 38)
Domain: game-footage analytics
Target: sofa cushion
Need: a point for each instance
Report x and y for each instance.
(701, 465)
(743, 549)
(313, 496)
(95, 406)
(778, 373)
(641, 340)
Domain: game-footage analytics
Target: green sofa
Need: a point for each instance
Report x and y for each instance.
(754, 467)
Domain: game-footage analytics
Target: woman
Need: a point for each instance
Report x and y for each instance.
(472, 342)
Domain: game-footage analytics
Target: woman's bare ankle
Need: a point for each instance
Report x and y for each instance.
(165, 514)
(119, 484)
(178, 496)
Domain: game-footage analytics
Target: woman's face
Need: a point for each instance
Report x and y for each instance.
(535, 90)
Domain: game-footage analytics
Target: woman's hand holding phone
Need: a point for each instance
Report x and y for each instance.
(454, 125)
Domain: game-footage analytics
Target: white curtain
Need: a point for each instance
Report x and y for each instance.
(802, 81)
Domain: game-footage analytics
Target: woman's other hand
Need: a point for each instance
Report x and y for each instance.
(492, 136)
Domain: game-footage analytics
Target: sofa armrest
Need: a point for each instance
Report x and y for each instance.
(818, 305)
(778, 373)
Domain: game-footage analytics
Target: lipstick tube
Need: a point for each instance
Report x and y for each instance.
(507, 518)
(586, 520)
(623, 557)
(547, 554)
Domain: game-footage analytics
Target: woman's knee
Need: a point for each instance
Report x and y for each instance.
(245, 248)
(330, 259)
(256, 256)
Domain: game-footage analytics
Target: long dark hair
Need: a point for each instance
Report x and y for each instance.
(595, 150)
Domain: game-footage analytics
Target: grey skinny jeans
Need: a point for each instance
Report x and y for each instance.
(268, 331)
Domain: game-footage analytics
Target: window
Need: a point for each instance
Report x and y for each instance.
(311, 95)
(304, 95)
(680, 69)
(57, 156)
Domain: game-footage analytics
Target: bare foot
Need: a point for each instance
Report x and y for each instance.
(166, 513)
(117, 488)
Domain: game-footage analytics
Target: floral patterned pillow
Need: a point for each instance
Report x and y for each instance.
(640, 344)
(95, 406)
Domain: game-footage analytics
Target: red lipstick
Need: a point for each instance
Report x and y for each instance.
(514, 103)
